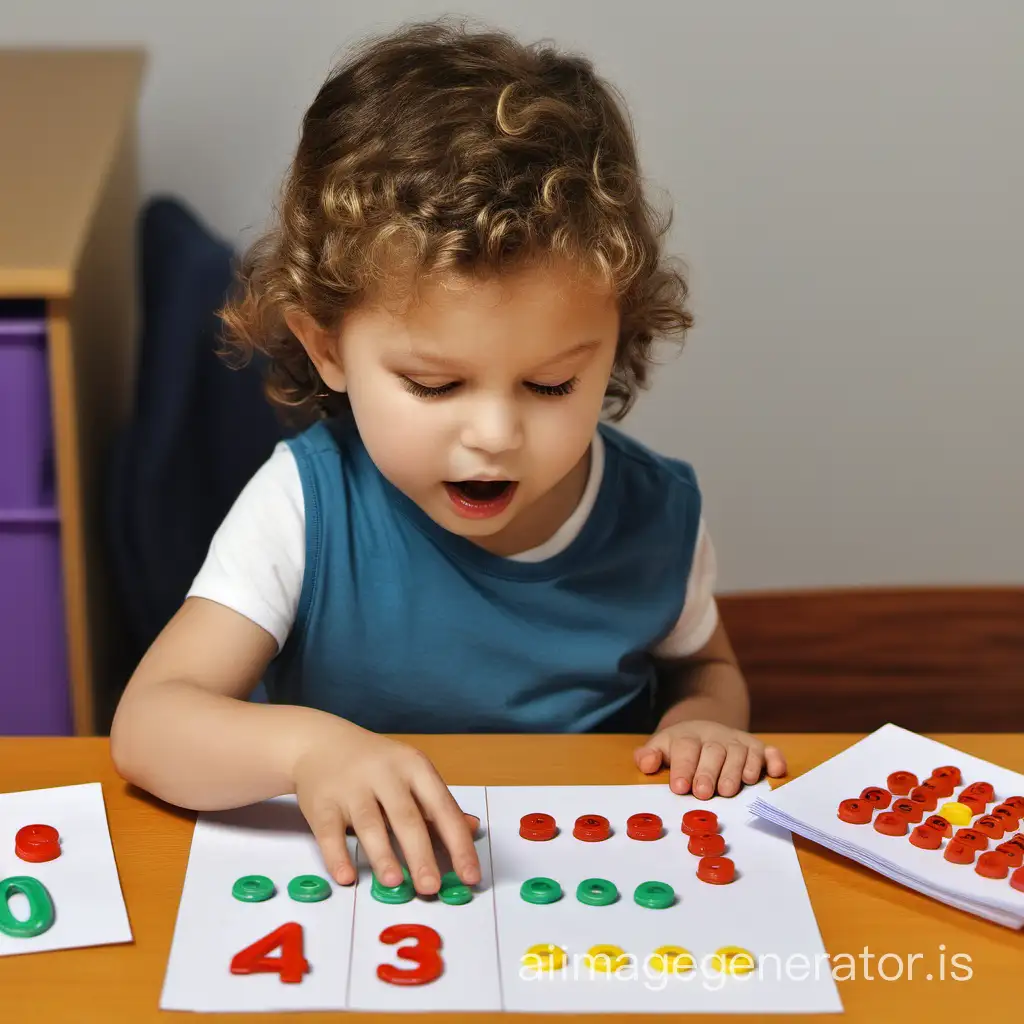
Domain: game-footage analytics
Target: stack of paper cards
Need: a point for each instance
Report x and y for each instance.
(925, 815)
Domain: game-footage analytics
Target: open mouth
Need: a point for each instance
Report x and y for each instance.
(480, 499)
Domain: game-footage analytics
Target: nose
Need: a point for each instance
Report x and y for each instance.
(493, 426)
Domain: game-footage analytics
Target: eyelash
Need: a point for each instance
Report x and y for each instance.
(550, 390)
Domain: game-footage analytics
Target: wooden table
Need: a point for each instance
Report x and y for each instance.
(855, 908)
(68, 205)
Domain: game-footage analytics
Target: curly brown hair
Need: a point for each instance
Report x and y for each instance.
(435, 149)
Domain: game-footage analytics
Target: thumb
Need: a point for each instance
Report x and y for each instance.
(650, 757)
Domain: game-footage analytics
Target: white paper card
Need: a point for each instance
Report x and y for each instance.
(83, 883)
(468, 941)
(808, 805)
(270, 839)
(766, 910)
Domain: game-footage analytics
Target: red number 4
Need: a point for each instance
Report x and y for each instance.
(290, 966)
(424, 952)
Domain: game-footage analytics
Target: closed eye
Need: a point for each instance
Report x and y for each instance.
(422, 391)
(567, 387)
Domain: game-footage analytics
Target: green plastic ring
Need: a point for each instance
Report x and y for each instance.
(540, 890)
(453, 890)
(253, 889)
(401, 893)
(40, 907)
(309, 888)
(654, 895)
(596, 892)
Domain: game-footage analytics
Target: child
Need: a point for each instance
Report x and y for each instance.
(464, 275)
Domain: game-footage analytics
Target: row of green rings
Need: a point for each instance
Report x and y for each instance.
(597, 892)
(453, 891)
(302, 889)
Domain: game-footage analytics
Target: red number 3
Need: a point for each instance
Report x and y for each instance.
(424, 952)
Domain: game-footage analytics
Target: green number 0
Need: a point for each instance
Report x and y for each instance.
(40, 907)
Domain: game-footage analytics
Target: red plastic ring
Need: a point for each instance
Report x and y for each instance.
(973, 801)
(990, 826)
(889, 823)
(855, 812)
(645, 827)
(537, 827)
(700, 821)
(591, 828)
(706, 844)
(925, 838)
(875, 795)
(906, 807)
(948, 771)
(939, 823)
(958, 853)
(1017, 880)
(993, 864)
(37, 843)
(927, 798)
(942, 784)
(716, 870)
(972, 837)
(901, 783)
(983, 790)
(1013, 852)
(1007, 815)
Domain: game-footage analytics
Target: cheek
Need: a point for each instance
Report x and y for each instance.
(397, 429)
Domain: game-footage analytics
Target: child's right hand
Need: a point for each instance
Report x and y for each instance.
(351, 777)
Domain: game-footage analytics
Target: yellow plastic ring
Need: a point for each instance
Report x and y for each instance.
(607, 959)
(545, 956)
(733, 960)
(956, 813)
(672, 960)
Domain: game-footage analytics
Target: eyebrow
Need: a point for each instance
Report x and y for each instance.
(579, 349)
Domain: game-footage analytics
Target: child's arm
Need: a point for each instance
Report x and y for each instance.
(702, 734)
(185, 732)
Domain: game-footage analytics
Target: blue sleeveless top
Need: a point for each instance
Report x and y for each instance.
(403, 626)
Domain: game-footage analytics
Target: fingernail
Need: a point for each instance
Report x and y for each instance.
(428, 880)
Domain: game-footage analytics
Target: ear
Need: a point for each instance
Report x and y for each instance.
(322, 347)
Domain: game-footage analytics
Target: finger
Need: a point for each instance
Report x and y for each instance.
(754, 764)
(775, 762)
(683, 763)
(709, 766)
(450, 821)
(731, 777)
(650, 757)
(328, 827)
(376, 843)
(406, 820)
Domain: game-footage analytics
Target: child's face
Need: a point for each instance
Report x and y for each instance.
(500, 382)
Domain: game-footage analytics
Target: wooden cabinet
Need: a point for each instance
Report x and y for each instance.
(68, 207)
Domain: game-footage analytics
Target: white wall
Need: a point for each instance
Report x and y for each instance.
(848, 182)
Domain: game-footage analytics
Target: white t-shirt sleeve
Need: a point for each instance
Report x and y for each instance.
(699, 617)
(258, 555)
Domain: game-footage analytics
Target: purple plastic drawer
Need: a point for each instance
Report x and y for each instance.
(34, 689)
(26, 445)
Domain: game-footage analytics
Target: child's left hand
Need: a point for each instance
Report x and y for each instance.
(705, 755)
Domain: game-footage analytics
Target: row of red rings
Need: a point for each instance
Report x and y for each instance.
(594, 828)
